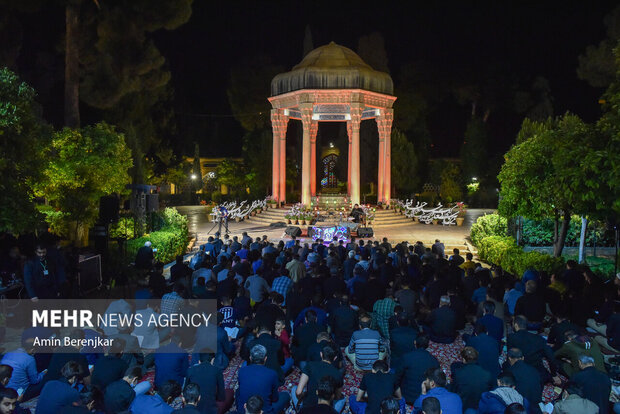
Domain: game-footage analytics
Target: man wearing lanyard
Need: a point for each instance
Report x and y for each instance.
(40, 276)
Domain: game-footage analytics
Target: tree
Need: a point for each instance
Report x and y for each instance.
(257, 156)
(248, 89)
(83, 166)
(597, 64)
(231, 175)
(371, 48)
(474, 149)
(308, 44)
(450, 190)
(543, 176)
(404, 165)
(23, 135)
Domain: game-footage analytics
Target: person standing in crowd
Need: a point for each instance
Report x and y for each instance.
(41, 277)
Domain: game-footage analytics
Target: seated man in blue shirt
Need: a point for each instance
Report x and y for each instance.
(256, 379)
(157, 403)
(435, 386)
(171, 362)
(494, 325)
(24, 366)
(59, 393)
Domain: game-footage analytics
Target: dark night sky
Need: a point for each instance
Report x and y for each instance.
(533, 38)
(530, 39)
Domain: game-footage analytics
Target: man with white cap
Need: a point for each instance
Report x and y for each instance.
(145, 257)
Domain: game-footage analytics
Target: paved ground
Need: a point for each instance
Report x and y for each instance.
(202, 228)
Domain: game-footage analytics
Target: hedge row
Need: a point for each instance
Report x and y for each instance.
(171, 240)
(488, 225)
(503, 251)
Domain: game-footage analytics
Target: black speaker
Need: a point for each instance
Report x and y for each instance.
(108, 209)
(152, 202)
(293, 231)
(365, 232)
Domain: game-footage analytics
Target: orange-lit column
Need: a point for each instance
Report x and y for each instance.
(314, 128)
(356, 118)
(349, 134)
(306, 121)
(381, 168)
(275, 175)
(283, 126)
(384, 124)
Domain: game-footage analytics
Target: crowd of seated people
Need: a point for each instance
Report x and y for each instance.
(298, 321)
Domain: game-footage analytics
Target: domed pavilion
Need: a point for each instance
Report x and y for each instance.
(331, 84)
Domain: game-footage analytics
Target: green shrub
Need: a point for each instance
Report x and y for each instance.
(124, 228)
(503, 251)
(170, 241)
(429, 197)
(540, 233)
(216, 197)
(488, 225)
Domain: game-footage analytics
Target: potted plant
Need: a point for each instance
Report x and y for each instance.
(288, 218)
(435, 221)
(462, 209)
(309, 218)
(296, 220)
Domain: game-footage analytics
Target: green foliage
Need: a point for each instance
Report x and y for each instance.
(231, 174)
(257, 154)
(428, 197)
(504, 252)
(124, 228)
(488, 225)
(23, 135)
(474, 149)
(171, 240)
(216, 196)
(451, 190)
(540, 233)
(596, 65)
(404, 164)
(83, 166)
(248, 89)
(546, 175)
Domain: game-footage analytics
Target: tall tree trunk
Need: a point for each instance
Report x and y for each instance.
(72, 72)
(561, 239)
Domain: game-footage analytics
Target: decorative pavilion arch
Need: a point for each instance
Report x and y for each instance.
(331, 84)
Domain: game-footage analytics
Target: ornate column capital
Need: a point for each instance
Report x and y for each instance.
(306, 109)
(356, 116)
(314, 129)
(384, 123)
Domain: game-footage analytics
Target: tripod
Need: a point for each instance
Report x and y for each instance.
(219, 221)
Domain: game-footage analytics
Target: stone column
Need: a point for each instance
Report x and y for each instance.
(384, 125)
(275, 175)
(314, 128)
(356, 118)
(349, 159)
(306, 121)
(283, 128)
(381, 168)
(279, 124)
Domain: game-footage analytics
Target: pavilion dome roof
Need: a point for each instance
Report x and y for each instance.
(332, 67)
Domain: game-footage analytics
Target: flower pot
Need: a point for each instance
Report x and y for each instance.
(296, 222)
(459, 221)
(435, 222)
(289, 221)
(238, 219)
